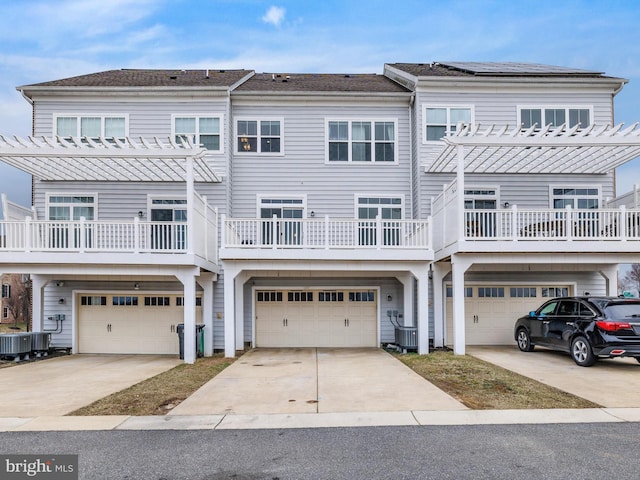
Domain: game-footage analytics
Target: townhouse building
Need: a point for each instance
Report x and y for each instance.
(316, 210)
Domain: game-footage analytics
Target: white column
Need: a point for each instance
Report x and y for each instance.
(189, 287)
(38, 282)
(205, 280)
(460, 192)
(239, 313)
(408, 287)
(422, 276)
(610, 273)
(459, 266)
(230, 273)
(191, 232)
(440, 270)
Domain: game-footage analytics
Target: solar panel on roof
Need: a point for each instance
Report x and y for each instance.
(496, 68)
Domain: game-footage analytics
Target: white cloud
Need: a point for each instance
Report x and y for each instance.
(274, 16)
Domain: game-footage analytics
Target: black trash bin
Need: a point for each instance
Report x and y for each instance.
(199, 339)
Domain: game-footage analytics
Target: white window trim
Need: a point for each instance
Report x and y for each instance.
(258, 119)
(357, 196)
(448, 106)
(495, 197)
(542, 107)
(102, 116)
(350, 120)
(72, 194)
(5, 312)
(197, 116)
(151, 198)
(278, 196)
(565, 186)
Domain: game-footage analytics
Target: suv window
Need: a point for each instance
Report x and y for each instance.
(548, 309)
(568, 307)
(585, 311)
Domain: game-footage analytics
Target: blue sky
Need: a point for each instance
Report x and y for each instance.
(52, 39)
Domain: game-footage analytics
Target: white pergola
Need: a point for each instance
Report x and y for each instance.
(120, 160)
(593, 150)
(111, 160)
(548, 150)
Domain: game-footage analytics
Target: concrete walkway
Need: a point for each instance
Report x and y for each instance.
(310, 380)
(61, 385)
(609, 383)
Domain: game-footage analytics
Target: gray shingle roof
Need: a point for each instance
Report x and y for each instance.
(492, 69)
(320, 82)
(150, 78)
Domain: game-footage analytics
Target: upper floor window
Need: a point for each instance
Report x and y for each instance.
(6, 291)
(70, 207)
(361, 141)
(554, 116)
(259, 136)
(581, 197)
(203, 131)
(443, 121)
(92, 126)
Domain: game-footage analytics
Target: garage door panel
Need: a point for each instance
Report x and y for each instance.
(131, 327)
(489, 319)
(315, 318)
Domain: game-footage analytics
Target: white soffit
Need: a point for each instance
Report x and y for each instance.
(593, 150)
(87, 159)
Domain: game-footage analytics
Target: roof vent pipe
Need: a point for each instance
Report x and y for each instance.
(207, 73)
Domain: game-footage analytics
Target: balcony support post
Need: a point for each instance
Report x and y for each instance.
(231, 271)
(422, 285)
(240, 280)
(205, 280)
(610, 274)
(440, 270)
(458, 267)
(188, 280)
(38, 282)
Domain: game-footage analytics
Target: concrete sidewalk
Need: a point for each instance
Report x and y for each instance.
(320, 420)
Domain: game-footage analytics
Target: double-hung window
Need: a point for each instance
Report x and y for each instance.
(202, 130)
(259, 136)
(442, 121)
(362, 141)
(541, 116)
(6, 291)
(92, 126)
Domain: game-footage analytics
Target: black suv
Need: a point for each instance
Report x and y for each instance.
(585, 327)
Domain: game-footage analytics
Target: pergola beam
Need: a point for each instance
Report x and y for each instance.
(100, 159)
(558, 150)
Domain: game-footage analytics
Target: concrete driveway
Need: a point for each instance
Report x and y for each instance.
(61, 385)
(310, 380)
(609, 383)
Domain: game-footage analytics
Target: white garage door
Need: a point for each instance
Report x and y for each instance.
(125, 323)
(491, 310)
(316, 318)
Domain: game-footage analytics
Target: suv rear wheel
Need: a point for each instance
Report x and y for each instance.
(581, 352)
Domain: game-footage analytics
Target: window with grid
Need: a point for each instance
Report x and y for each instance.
(443, 121)
(361, 141)
(203, 131)
(259, 136)
(94, 127)
(6, 291)
(555, 116)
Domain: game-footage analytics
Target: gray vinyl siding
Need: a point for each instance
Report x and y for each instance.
(500, 107)
(525, 191)
(302, 169)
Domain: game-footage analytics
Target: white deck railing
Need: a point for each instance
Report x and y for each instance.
(334, 233)
(89, 236)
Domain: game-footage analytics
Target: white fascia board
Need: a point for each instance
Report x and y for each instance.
(613, 83)
(400, 77)
(35, 93)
